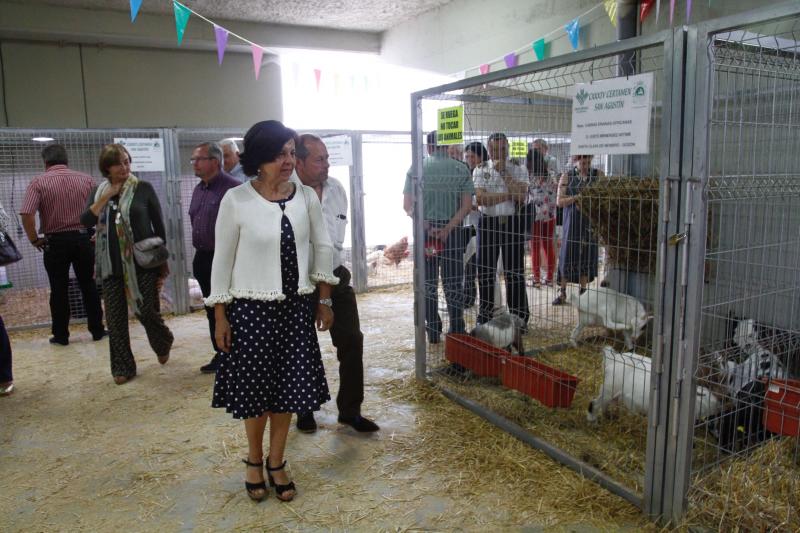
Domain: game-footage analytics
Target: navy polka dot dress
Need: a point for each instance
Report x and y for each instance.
(275, 364)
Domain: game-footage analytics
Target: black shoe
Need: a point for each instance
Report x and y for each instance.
(561, 299)
(212, 366)
(306, 422)
(98, 336)
(359, 423)
(56, 340)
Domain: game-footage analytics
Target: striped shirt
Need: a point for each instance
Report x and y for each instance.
(59, 195)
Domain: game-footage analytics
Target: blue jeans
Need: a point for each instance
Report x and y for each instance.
(449, 263)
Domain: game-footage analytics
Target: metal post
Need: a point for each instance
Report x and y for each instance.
(358, 240)
(173, 211)
(419, 239)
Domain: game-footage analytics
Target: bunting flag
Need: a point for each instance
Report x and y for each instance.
(511, 59)
(317, 76)
(658, 10)
(671, 11)
(181, 18)
(688, 10)
(539, 49)
(221, 34)
(135, 5)
(573, 32)
(484, 68)
(258, 53)
(611, 9)
(644, 9)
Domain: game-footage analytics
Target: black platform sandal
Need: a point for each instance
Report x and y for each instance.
(253, 488)
(280, 489)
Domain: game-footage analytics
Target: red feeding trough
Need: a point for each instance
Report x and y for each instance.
(481, 358)
(552, 387)
(782, 407)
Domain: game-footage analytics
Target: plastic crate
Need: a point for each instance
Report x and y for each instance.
(552, 387)
(782, 407)
(479, 357)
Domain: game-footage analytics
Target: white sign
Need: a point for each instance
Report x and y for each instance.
(147, 155)
(612, 116)
(340, 150)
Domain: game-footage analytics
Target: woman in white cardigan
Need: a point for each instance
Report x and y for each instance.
(271, 249)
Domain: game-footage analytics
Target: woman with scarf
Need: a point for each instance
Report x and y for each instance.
(126, 210)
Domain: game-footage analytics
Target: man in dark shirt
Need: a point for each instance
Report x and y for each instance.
(59, 196)
(214, 183)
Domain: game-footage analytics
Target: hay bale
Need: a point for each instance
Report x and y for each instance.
(623, 213)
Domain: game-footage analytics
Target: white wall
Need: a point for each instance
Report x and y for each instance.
(78, 68)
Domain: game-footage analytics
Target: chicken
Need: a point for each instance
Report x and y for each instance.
(373, 258)
(396, 252)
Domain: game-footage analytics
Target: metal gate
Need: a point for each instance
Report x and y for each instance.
(740, 285)
(543, 397)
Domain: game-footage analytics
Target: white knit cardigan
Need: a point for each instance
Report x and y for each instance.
(247, 251)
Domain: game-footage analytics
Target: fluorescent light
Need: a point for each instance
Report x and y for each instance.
(42, 139)
(237, 138)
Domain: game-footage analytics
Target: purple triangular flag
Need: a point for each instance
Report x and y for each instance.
(135, 5)
(688, 10)
(573, 32)
(511, 59)
(221, 35)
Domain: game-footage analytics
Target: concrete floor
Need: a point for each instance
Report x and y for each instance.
(79, 453)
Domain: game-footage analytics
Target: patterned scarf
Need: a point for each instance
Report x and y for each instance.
(102, 249)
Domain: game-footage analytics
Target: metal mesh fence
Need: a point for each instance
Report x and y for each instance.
(25, 302)
(581, 347)
(745, 458)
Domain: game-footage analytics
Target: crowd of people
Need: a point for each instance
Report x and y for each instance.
(273, 200)
(479, 190)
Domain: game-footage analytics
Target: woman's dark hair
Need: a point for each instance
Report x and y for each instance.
(535, 163)
(263, 143)
(478, 149)
(111, 155)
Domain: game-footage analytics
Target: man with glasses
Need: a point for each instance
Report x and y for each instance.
(214, 183)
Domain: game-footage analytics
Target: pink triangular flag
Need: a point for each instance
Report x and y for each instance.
(511, 59)
(317, 76)
(671, 11)
(484, 68)
(221, 34)
(258, 53)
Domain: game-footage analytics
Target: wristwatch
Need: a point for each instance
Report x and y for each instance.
(326, 301)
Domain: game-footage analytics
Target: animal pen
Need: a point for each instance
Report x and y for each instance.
(692, 337)
(24, 300)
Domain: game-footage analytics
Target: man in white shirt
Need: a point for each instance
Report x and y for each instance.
(500, 187)
(230, 159)
(312, 170)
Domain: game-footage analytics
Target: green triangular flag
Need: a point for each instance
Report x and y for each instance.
(539, 49)
(181, 19)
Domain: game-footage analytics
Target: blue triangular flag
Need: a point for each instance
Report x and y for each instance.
(135, 5)
(573, 32)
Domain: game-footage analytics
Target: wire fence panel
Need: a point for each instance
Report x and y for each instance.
(745, 459)
(552, 327)
(390, 244)
(25, 302)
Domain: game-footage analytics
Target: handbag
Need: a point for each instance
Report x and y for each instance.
(150, 252)
(8, 251)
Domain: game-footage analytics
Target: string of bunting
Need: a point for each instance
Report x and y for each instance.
(182, 14)
(573, 28)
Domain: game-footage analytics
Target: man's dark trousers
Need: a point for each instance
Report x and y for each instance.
(65, 249)
(349, 342)
(201, 268)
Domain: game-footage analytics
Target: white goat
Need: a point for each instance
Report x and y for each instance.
(760, 362)
(627, 375)
(503, 330)
(604, 306)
